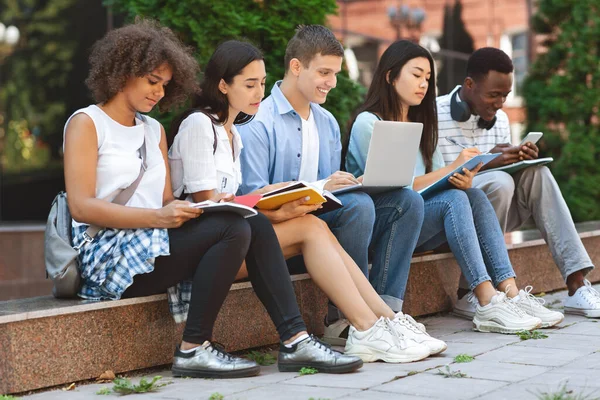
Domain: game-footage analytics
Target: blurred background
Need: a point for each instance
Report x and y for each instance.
(555, 47)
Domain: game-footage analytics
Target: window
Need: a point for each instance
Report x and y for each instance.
(515, 45)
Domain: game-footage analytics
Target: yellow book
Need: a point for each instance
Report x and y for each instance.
(277, 198)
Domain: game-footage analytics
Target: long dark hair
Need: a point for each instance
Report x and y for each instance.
(383, 100)
(228, 61)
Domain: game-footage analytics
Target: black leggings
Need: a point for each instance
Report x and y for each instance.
(209, 251)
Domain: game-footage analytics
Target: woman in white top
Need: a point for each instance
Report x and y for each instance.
(155, 243)
(206, 167)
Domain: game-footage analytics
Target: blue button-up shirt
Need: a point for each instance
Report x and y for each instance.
(273, 143)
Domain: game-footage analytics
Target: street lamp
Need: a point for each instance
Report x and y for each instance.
(406, 16)
(9, 37)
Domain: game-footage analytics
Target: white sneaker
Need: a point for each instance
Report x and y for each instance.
(336, 333)
(381, 342)
(534, 306)
(503, 316)
(466, 307)
(407, 327)
(585, 301)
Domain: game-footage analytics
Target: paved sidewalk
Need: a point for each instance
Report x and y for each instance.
(505, 367)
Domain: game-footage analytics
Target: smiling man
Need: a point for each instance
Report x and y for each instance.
(293, 138)
(472, 115)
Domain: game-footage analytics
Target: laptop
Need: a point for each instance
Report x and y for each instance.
(392, 157)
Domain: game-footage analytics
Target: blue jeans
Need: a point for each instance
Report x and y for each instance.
(467, 221)
(388, 224)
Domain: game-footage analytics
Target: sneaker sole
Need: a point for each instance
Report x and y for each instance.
(328, 369)
(463, 314)
(552, 323)
(368, 355)
(334, 341)
(196, 373)
(585, 313)
(492, 327)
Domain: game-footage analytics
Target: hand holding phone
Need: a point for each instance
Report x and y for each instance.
(531, 137)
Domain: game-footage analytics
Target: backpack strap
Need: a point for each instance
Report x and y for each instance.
(124, 195)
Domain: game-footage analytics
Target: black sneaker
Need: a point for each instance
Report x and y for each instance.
(212, 361)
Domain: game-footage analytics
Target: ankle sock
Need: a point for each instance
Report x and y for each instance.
(297, 340)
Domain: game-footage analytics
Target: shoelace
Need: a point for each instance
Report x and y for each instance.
(216, 347)
(512, 306)
(398, 337)
(417, 325)
(321, 345)
(404, 321)
(533, 301)
(591, 294)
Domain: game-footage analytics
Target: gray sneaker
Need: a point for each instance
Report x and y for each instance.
(211, 361)
(311, 352)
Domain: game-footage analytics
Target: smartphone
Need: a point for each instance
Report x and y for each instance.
(532, 137)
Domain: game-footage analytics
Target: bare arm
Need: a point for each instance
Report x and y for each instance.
(81, 159)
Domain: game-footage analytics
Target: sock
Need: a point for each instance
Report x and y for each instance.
(193, 349)
(297, 340)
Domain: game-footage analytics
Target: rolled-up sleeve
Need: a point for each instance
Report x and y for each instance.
(192, 159)
(360, 139)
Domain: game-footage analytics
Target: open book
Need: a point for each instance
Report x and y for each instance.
(210, 206)
(515, 167)
(444, 184)
(295, 191)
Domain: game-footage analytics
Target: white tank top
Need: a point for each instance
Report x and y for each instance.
(119, 159)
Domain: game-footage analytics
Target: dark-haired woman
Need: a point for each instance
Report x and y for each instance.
(403, 89)
(232, 89)
(154, 242)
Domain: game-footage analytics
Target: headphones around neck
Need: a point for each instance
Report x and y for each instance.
(461, 112)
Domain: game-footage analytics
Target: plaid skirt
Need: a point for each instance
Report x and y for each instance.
(109, 263)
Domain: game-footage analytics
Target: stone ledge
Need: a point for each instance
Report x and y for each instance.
(43, 345)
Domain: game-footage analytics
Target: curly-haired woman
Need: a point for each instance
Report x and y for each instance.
(154, 242)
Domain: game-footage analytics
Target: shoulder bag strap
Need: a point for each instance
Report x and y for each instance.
(123, 197)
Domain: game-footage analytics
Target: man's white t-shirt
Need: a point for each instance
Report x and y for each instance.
(309, 163)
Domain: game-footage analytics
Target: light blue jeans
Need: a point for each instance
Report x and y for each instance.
(388, 224)
(467, 221)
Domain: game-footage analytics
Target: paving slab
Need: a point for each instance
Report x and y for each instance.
(291, 392)
(496, 371)
(564, 342)
(533, 355)
(437, 386)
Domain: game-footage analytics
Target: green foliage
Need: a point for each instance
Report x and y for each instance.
(308, 371)
(216, 396)
(448, 373)
(564, 394)
(261, 358)
(125, 386)
(526, 335)
(269, 24)
(562, 93)
(36, 74)
(7, 397)
(463, 358)
(104, 391)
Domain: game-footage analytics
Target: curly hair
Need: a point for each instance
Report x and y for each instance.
(135, 51)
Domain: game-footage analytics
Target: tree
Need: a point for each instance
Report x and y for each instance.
(562, 94)
(269, 24)
(456, 38)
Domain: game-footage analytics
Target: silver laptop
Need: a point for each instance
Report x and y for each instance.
(392, 156)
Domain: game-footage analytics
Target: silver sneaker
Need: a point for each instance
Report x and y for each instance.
(311, 352)
(211, 361)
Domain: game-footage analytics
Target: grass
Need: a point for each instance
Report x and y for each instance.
(124, 386)
(564, 394)
(526, 335)
(308, 371)
(261, 358)
(7, 397)
(411, 373)
(216, 396)
(463, 358)
(448, 373)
